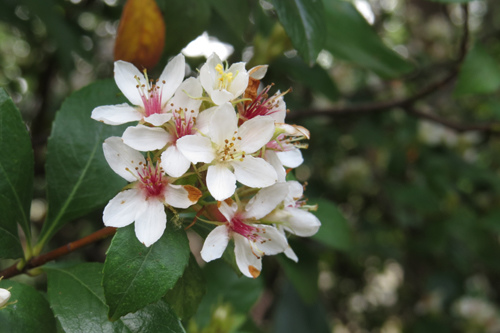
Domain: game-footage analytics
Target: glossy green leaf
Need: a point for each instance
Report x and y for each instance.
(304, 23)
(79, 178)
(29, 314)
(77, 298)
(185, 20)
(303, 274)
(135, 275)
(188, 292)
(479, 74)
(234, 13)
(351, 38)
(16, 178)
(224, 287)
(334, 230)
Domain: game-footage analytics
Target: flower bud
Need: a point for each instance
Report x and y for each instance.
(4, 297)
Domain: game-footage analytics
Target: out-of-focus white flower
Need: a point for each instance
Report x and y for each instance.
(144, 202)
(4, 297)
(227, 148)
(223, 84)
(150, 100)
(252, 240)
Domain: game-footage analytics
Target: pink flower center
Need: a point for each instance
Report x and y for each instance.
(262, 105)
(281, 143)
(184, 122)
(237, 225)
(151, 180)
(151, 94)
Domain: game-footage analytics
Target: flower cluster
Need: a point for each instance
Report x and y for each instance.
(215, 145)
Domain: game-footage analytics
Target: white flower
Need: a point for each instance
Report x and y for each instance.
(251, 240)
(291, 215)
(144, 202)
(223, 85)
(227, 148)
(149, 100)
(4, 297)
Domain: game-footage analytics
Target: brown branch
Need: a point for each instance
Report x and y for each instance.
(59, 252)
(374, 107)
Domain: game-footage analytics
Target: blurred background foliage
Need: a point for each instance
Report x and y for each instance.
(408, 188)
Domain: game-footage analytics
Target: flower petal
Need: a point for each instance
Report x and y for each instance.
(272, 240)
(227, 210)
(121, 158)
(196, 148)
(172, 77)
(266, 200)
(255, 133)
(273, 159)
(183, 98)
(240, 79)
(291, 254)
(125, 78)
(203, 120)
(249, 264)
(254, 172)
(116, 114)
(173, 162)
(220, 97)
(223, 124)
(291, 158)
(4, 296)
(123, 208)
(221, 182)
(158, 119)
(146, 138)
(208, 74)
(301, 222)
(151, 223)
(181, 196)
(215, 243)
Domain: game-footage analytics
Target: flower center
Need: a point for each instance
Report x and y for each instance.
(229, 151)
(150, 94)
(184, 122)
(240, 227)
(224, 79)
(262, 105)
(151, 180)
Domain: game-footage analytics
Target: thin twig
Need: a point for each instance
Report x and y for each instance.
(59, 252)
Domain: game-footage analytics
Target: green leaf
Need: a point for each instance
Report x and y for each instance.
(135, 275)
(30, 313)
(185, 20)
(303, 274)
(16, 178)
(351, 38)
(188, 292)
(224, 286)
(314, 77)
(77, 298)
(451, 1)
(79, 180)
(334, 230)
(304, 23)
(479, 74)
(234, 13)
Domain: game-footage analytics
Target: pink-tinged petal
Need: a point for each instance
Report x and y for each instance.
(172, 77)
(181, 196)
(196, 148)
(125, 78)
(144, 138)
(301, 222)
(271, 241)
(116, 114)
(215, 243)
(158, 119)
(273, 159)
(254, 172)
(255, 133)
(249, 264)
(221, 182)
(173, 162)
(203, 120)
(184, 97)
(151, 223)
(224, 124)
(266, 200)
(121, 158)
(228, 211)
(220, 97)
(258, 72)
(290, 254)
(123, 208)
(292, 158)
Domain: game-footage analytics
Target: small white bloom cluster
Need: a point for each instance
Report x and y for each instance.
(203, 136)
